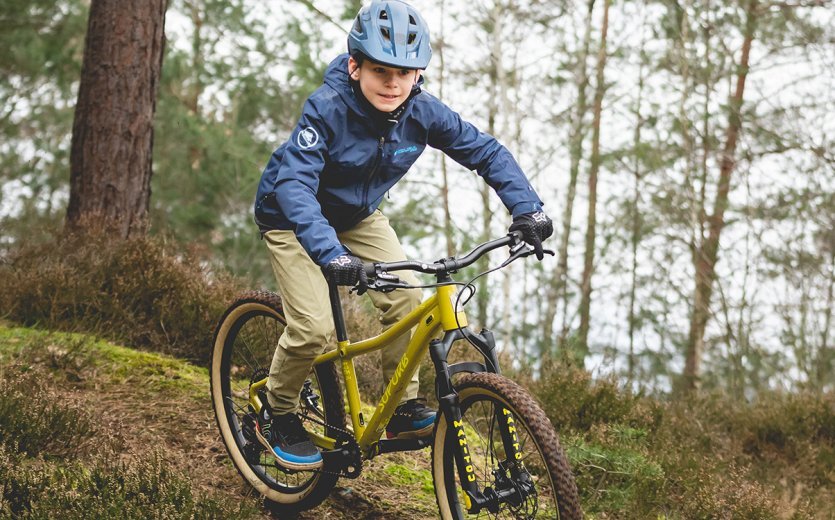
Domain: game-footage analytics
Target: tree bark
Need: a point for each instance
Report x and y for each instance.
(112, 139)
(706, 253)
(588, 263)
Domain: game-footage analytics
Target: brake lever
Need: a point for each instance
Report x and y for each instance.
(522, 250)
(382, 282)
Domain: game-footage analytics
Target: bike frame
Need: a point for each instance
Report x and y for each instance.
(435, 314)
(432, 314)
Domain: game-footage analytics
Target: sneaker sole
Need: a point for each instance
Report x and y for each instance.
(295, 466)
(426, 431)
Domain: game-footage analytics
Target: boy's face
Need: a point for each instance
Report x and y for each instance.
(386, 88)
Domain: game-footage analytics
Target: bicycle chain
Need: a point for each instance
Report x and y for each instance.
(342, 436)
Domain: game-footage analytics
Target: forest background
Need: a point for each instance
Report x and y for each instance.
(684, 150)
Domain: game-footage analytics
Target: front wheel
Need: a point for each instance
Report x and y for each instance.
(536, 482)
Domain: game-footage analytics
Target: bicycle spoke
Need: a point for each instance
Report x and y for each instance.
(495, 466)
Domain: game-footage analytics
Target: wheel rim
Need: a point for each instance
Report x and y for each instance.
(490, 464)
(248, 348)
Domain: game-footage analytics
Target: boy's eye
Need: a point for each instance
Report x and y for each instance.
(379, 70)
(405, 72)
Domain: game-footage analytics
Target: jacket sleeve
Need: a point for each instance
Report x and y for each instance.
(481, 152)
(297, 183)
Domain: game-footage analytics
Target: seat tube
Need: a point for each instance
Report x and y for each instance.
(353, 393)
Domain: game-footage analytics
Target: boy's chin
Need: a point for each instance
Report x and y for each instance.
(386, 107)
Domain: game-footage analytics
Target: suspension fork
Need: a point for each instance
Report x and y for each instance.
(450, 407)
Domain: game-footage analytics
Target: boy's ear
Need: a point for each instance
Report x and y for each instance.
(353, 69)
(417, 76)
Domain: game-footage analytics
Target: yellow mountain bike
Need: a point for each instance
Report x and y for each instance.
(494, 452)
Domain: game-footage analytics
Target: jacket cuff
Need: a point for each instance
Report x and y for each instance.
(525, 207)
(333, 253)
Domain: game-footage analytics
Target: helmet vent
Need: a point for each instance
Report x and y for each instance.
(412, 38)
(384, 15)
(412, 20)
(385, 33)
(358, 26)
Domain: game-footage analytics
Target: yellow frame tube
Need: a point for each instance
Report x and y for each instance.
(427, 317)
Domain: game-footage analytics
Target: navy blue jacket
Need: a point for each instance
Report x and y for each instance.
(341, 160)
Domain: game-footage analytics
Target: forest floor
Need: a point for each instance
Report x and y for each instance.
(154, 402)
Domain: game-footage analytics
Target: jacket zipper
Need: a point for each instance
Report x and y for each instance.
(371, 175)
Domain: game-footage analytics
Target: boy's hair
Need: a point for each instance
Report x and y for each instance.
(359, 58)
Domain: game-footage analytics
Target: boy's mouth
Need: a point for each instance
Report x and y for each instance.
(390, 97)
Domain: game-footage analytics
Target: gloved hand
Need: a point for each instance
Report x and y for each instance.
(535, 227)
(345, 270)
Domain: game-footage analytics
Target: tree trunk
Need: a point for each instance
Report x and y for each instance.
(112, 138)
(558, 285)
(825, 353)
(588, 263)
(707, 252)
(635, 216)
(440, 47)
(496, 84)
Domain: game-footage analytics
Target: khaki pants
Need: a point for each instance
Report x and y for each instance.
(304, 293)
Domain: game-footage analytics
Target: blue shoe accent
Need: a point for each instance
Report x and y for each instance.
(411, 420)
(423, 423)
(313, 460)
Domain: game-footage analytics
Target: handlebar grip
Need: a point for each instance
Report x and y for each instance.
(370, 270)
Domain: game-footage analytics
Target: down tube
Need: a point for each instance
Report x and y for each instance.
(427, 328)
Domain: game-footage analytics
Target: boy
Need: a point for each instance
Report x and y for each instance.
(317, 202)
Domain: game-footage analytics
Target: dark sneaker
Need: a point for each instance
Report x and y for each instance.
(411, 420)
(285, 438)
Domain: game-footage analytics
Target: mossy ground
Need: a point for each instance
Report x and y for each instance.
(152, 401)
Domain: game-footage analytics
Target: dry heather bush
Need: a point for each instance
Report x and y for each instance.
(573, 400)
(143, 292)
(131, 489)
(35, 420)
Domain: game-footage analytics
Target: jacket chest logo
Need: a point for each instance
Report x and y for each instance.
(408, 149)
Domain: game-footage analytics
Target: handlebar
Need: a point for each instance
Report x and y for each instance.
(445, 265)
(380, 280)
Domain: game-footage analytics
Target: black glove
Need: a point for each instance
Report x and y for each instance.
(345, 270)
(535, 227)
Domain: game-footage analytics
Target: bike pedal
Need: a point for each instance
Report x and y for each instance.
(392, 445)
(248, 425)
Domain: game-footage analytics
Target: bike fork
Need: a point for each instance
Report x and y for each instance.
(450, 406)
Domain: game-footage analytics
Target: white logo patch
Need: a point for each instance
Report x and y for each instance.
(307, 138)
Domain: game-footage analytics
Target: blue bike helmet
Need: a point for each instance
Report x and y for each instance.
(391, 32)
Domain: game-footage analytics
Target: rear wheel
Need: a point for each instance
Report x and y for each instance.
(245, 340)
(536, 484)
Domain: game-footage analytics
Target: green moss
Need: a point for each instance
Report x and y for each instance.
(106, 362)
(410, 476)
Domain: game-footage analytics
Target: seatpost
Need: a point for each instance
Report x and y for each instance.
(336, 309)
